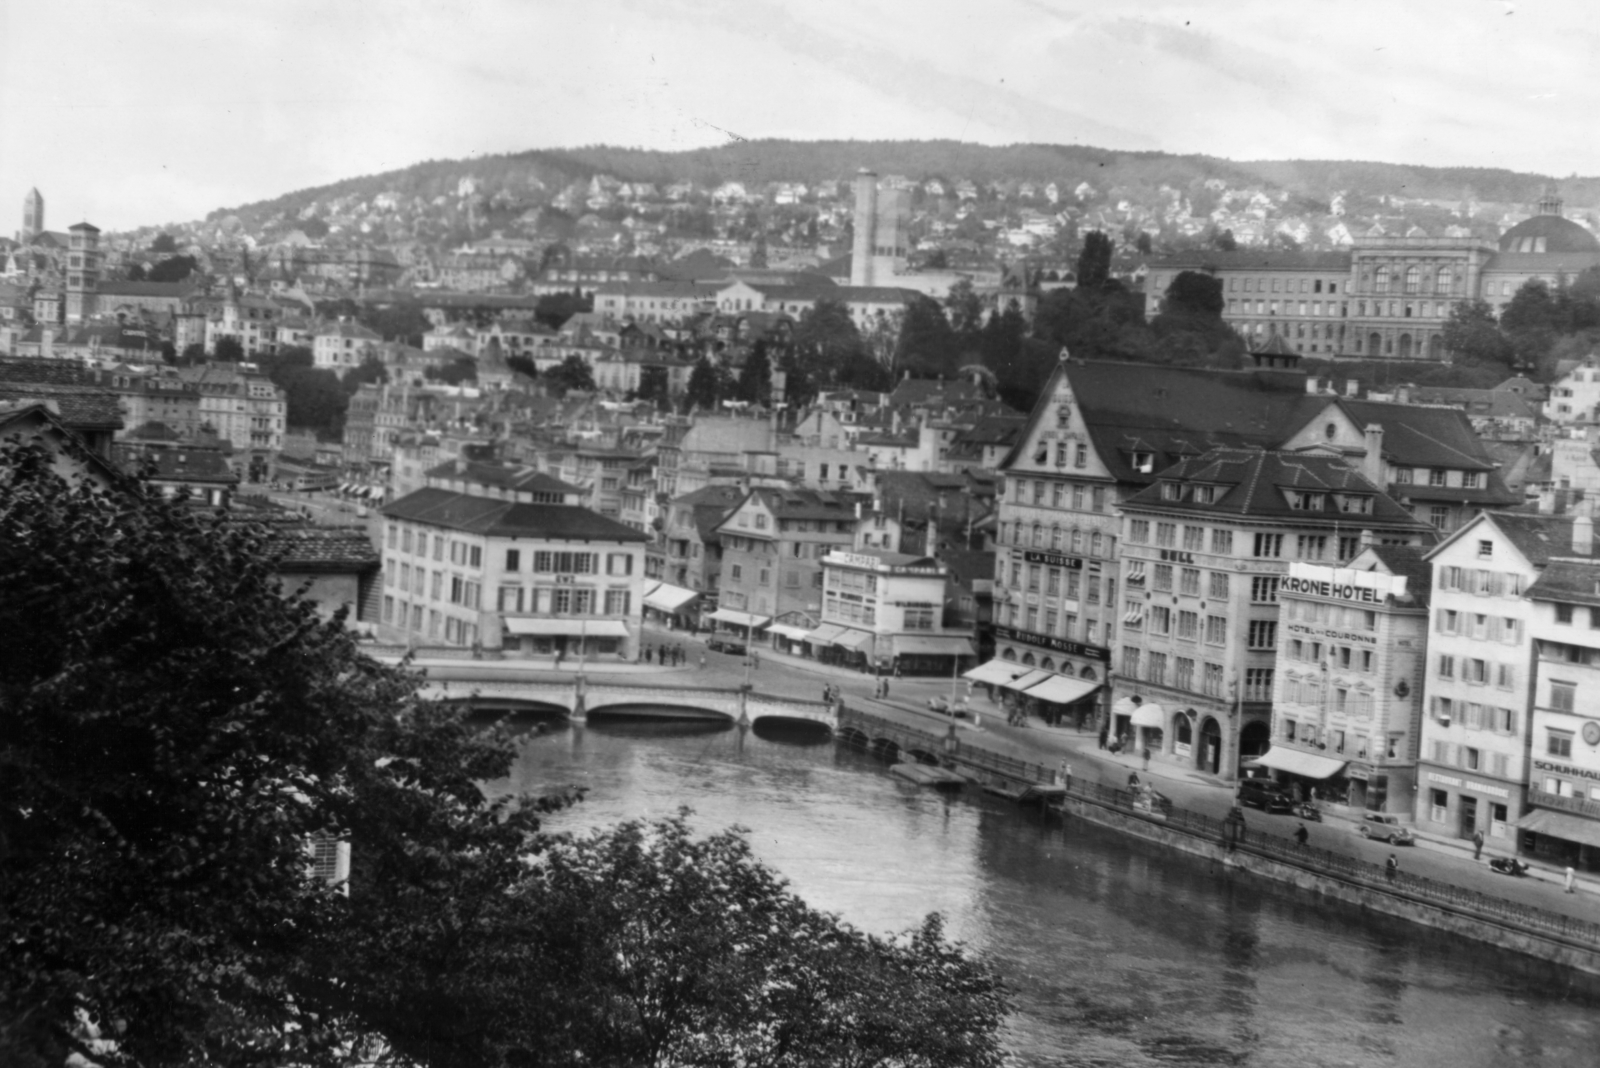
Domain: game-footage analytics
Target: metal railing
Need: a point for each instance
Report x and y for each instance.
(1528, 919)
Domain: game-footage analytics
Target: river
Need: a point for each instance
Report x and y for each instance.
(1118, 953)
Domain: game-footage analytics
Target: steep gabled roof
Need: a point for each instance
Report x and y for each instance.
(494, 518)
(1254, 484)
(1572, 581)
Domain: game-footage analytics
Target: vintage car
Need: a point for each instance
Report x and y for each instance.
(1385, 828)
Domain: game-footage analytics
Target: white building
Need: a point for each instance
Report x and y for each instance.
(528, 579)
(1562, 822)
(1473, 766)
(343, 346)
(886, 610)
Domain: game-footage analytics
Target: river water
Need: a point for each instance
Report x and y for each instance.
(1118, 953)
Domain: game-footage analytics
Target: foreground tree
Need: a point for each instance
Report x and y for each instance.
(571, 373)
(175, 731)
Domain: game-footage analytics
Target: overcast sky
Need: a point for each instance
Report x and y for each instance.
(137, 112)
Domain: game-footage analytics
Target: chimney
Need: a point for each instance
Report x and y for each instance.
(1372, 464)
(47, 344)
(1583, 535)
(1366, 539)
(1352, 387)
(1313, 384)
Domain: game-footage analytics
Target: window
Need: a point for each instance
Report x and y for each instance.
(1447, 666)
(1349, 546)
(1133, 615)
(1439, 516)
(513, 560)
(1263, 634)
(1189, 581)
(1216, 630)
(1222, 542)
(1160, 619)
(1563, 696)
(1167, 535)
(1437, 476)
(1183, 673)
(1189, 625)
(1161, 578)
(617, 602)
(1097, 499)
(1158, 669)
(1080, 456)
(1139, 531)
(1258, 684)
(737, 572)
(1311, 546)
(1268, 545)
(1217, 586)
(1130, 661)
(619, 564)
(1264, 590)
(1470, 758)
(1194, 539)
(1563, 613)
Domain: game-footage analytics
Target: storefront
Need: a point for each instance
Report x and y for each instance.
(788, 638)
(842, 646)
(1568, 838)
(738, 626)
(929, 654)
(1309, 776)
(1062, 699)
(670, 604)
(565, 639)
(1461, 805)
(994, 674)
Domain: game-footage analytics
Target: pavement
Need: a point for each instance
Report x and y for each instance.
(1447, 860)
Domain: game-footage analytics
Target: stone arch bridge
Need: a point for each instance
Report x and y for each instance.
(578, 697)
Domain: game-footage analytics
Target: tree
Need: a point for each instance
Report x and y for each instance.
(1472, 336)
(522, 364)
(403, 321)
(175, 269)
(1094, 262)
(755, 377)
(1142, 243)
(925, 345)
(459, 370)
(136, 272)
(228, 349)
(163, 243)
(824, 340)
(965, 309)
(571, 373)
(1532, 320)
(193, 354)
(701, 391)
(554, 309)
(1226, 242)
(315, 398)
(653, 385)
(1195, 293)
(372, 372)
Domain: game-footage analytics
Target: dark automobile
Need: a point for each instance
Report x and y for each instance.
(1384, 828)
(725, 645)
(1264, 794)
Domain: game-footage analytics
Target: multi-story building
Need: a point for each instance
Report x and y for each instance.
(693, 547)
(886, 611)
(166, 399)
(1562, 822)
(1473, 768)
(1352, 645)
(342, 346)
(1204, 552)
(534, 579)
(83, 271)
(242, 405)
(1299, 296)
(251, 321)
(773, 543)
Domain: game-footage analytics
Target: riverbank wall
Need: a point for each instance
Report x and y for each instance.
(1236, 849)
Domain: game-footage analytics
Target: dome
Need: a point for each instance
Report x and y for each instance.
(1548, 233)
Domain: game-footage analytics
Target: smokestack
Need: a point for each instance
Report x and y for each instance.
(1352, 387)
(1366, 539)
(1372, 464)
(1583, 535)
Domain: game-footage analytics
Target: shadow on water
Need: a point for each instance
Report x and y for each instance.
(643, 725)
(797, 732)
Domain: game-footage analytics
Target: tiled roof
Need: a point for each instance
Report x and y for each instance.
(486, 474)
(1412, 564)
(60, 372)
(177, 464)
(311, 548)
(81, 407)
(492, 518)
(175, 290)
(968, 565)
(1254, 482)
(1254, 260)
(1572, 581)
(1536, 536)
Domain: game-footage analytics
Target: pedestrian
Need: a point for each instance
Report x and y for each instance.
(825, 694)
(702, 661)
(1477, 844)
(1391, 867)
(1133, 780)
(1061, 774)
(1147, 758)
(647, 654)
(897, 667)
(1102, 737)
(1122, 741)
(1572, 878)
(1301, 834)
(885, 688)
(755, 658)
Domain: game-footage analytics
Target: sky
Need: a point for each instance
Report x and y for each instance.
(132, 113)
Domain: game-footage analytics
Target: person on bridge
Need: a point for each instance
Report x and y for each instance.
(1391, 867)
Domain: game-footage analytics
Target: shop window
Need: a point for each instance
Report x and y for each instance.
(1438, 806)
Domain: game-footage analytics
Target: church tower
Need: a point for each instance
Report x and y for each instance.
(83, 270)
(32, 216)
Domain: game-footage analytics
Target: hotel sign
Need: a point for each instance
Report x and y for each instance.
(1059, 645)
(1341, 583)
(1054, 560)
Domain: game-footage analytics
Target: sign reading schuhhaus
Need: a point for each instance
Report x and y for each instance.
(1060, 645)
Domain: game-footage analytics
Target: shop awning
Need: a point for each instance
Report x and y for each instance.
(854, 639)
(591, 628)
(1149, 715)
(826, 634)
(995, 673)
(1061, 690)
(1296, 762)
(784, 630)
(1032, 678)
(740, 619)
(669, 598)
(1562, 825)
(932, 645)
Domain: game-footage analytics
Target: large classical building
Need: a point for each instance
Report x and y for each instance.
(1387, 297)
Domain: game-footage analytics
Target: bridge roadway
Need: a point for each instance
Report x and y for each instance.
(504, 685)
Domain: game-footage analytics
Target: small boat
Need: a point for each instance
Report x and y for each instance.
(928, 775)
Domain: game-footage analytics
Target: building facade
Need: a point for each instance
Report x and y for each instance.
(885, 612)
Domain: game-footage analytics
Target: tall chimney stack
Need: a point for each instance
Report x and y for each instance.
(1582, 535)
(1372, 464)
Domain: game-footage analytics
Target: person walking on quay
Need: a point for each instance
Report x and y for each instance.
(1301, 834)
(1391, 867)
(1102, 737)
(702, 661)
(755, 659)
(647, 650)
(886, 689)
(1147, 758)
(1572, 878)
(1133, 780)
(1477, 844)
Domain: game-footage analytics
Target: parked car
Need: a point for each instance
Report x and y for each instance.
(1385, 828)
(726, 645)
(1264, 794)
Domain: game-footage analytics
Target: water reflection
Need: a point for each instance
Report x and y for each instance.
(1119, 953)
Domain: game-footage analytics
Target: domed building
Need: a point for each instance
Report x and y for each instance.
(1389, 297)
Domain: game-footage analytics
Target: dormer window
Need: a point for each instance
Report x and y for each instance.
(1144, 462)
(1469, 479)
(1403, 475)
(1205, 495)
(1485, 550)
(1355, 503)
(1172, 491)
(1437, 476)
(1301, 501)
